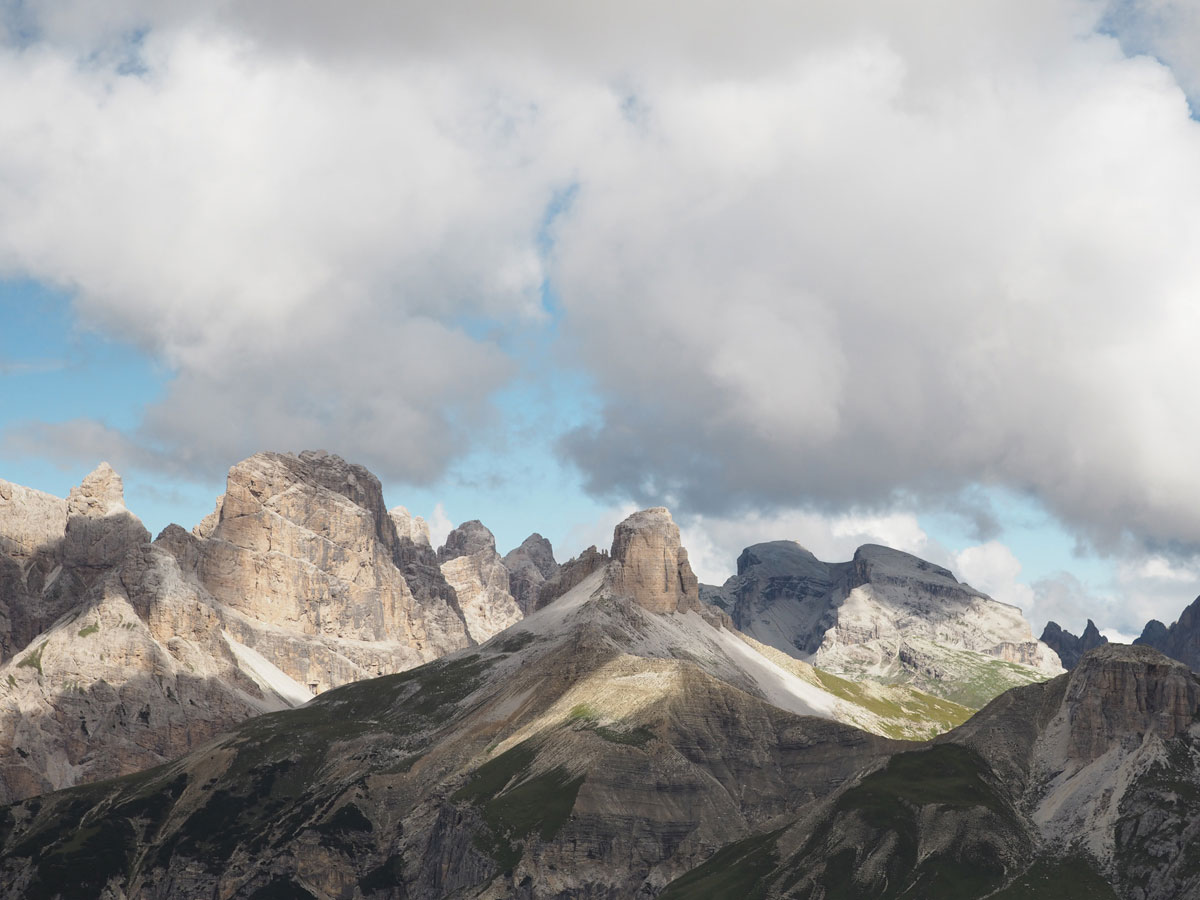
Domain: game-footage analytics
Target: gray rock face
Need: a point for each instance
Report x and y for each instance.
(1119, 691)
(480, 581)
(52, 551)
(529, 566)
(650, 565)
(468, 538)
(133, 653)
(410, 527)
(1069, 647)
(1181, 640)
(885, 615)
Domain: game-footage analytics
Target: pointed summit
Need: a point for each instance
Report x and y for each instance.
(1069, 647)
(467, 539)
(101, 493)
(650, 565)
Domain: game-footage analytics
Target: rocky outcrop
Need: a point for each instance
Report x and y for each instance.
(1181, 640)
(650, 565)
(884, 615)
(465, 540)
(1119, 696)
(140, 674)
(474, 569)
(52, 551)
(1069, 647)
(410, 527)
(129, 653)
(303, 561)
(529, 566)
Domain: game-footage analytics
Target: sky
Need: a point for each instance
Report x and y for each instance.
(917, 273)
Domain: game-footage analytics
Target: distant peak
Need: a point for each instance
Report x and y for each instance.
(774, 555)
(467, 539)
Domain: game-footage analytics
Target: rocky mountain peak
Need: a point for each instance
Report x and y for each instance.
(1119, 692)
(650, 565)
(471, 565)
(1153, 635)
(570, 574)
(1069, 647)
(467, 539)
(529, 566)
(1181, 641)
(101, 493)
(414, 528)
(876, 563)
(538, 551)
(772, 556)
(285, 481)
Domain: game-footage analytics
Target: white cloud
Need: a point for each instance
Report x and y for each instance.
(440, 526)
(993, 568)
(1166, 29)
(817, 256)
(1156, 588)
(596, 531)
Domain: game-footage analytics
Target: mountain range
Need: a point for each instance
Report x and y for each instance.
(490, 726)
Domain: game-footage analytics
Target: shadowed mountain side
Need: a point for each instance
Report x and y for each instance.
(535, 766)
(1086, 787)
(1181, 640)
(52, 551)
(300, 580)
(1069, 647)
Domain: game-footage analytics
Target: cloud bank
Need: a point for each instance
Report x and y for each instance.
(830, 258)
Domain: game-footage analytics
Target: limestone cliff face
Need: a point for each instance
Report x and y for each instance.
(408, 526)
(304, 557)
(474, 569)
(127, 653)
(650, 565)
(52, 551)
(468, 538)
(1124, 694)
(139, 674)
(529, 566)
